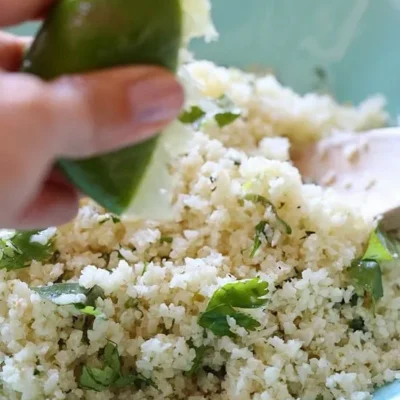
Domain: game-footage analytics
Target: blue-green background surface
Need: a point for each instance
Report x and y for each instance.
(355, 41)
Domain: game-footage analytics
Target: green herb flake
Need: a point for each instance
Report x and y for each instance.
(137, 380)
(19, 251)
(258, 199)
(226, 118)
(112, 217)
(365, 273)
(146, 265)
(166, 239)
(246, 294)
(110, 376)
(93, 294)
(259, 232)
(197, 362)
(53, 292)
(115, 219)
(192, 116)
(357, 324)
(89, 310)
(132, 303)
(229, 112)
(319, 397)
(95, 378)
(366, 277)
(354, 300)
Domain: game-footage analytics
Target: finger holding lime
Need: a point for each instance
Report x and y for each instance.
(86, 35)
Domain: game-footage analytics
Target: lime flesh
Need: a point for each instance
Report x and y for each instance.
(84, 35)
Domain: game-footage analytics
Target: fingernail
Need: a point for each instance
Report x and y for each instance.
(156, 100)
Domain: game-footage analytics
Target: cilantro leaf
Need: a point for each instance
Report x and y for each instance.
(200, 353)
(166, 239)
(365, 273)
(89, 310)
(146, 265)
(366, 276)
(226, 118)
(229, 112)
(241, 294)
(95, 378)
(258, 199)
(137, 380)
(110, 376)
(53, 292)
(245, 294)
(110, 217)
(93, 294)
(259, 231)
(111, 357)
(132, 303)
(357, 324)
(193, 115)
(89, 296)
(223, 110)
(19, 251)
(216, 320)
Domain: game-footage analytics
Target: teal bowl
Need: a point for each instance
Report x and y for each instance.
(351, 42)
(354, 42)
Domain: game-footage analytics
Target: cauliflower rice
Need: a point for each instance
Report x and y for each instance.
(155, 289)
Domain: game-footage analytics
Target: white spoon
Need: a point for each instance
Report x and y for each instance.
(364, 168)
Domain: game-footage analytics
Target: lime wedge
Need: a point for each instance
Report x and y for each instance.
(85, 35)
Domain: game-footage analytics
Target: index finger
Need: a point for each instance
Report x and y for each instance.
(14, 12)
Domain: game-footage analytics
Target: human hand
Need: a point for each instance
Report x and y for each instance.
(74, 116)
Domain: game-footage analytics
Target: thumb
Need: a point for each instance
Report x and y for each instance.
(75, 116)
(81, 115)
(103, 111)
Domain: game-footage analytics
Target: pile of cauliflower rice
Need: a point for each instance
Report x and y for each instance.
(158, 277)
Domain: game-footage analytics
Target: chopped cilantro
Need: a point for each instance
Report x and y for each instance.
(245, 294)
(192, 116)
(166, 239)
(259, 232)
(110, 376)
(53, 292)
(93, 294)
(112, 218)
(229, 112)
(319, 397)
(357, 324)
(132, 303)
(115, 219)
(89, 310)
(366, 277)
(200, 353)
(19, 251)
(354, 300)
(257, 199)
(224, 114)
(226, 118)
(146, 264)
(365, 273)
